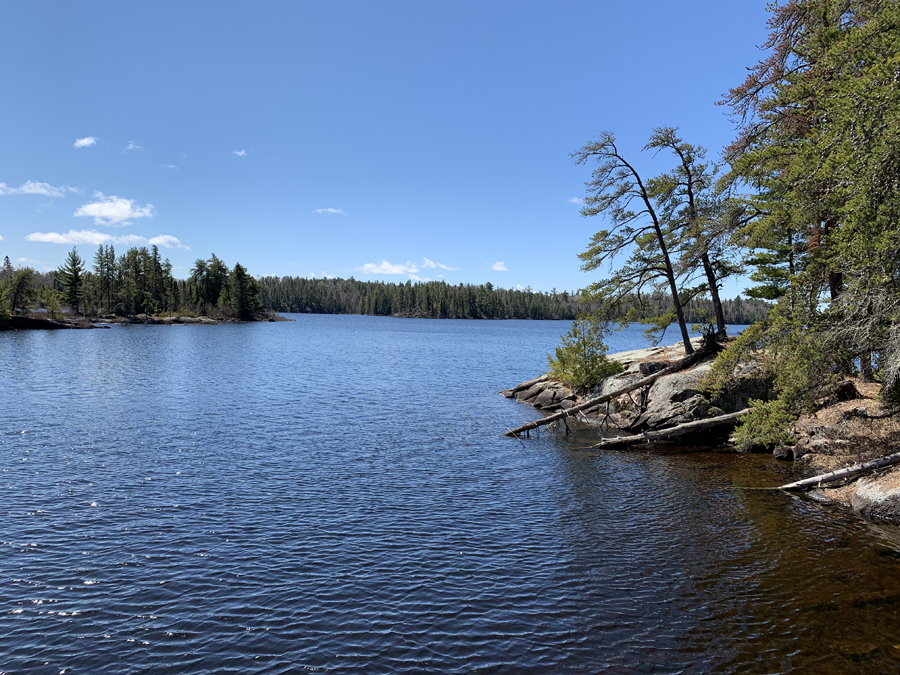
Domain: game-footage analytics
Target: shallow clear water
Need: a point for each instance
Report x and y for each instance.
(335, 494)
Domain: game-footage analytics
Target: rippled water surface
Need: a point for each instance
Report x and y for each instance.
(334, 494)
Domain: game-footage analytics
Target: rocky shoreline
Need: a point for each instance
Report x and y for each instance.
(850, 427)
(39, 323)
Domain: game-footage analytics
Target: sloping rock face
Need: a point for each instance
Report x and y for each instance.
(672, 399)
(677, 398)
(878, 497)
(543, 393)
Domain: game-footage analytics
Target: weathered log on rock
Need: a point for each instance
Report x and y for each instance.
(849, 472)
(597, 401)
(672, 432)
(509, 393)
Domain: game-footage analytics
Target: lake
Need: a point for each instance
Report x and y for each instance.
(334, 494)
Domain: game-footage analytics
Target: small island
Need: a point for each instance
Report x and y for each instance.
(137, 287)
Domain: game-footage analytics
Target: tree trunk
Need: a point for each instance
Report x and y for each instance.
(673, 287)
(849, 472)
(679, 312)
(672, 432)
(835, 284)
(866, 370)
(714, 292)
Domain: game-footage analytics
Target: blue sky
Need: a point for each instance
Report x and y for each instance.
(381, 140)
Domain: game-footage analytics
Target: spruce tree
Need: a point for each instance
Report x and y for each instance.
(70, 276)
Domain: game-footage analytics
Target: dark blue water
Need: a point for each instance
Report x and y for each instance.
(335, 494)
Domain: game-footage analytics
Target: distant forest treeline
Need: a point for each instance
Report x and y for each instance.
(440, 300)
(141, 282)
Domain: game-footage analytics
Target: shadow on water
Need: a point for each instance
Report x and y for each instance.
(709, 577)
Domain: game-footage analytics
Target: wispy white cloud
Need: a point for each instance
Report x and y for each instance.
(133, 146)
(85, 142)
(1, 237)
(384, 267)
(33, 187)
(330, 211)
(520, 287)
(114, 211)
(240, 153)
(75, 237)
(31, 262)
(166, 241)
(94, 238)
(576, 200)
(409, 268)
(499, 267)
(430, 264)
(174, 167)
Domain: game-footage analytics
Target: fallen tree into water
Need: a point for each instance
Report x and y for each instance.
(849, 472)
(597, 401)
(671, 432)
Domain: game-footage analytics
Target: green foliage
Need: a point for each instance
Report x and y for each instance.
(792, 358)
(70, 276)
(580, 361)
(20, 291)
(240, 294)
(819, 148)
(765, 426)
(51, 301)
(641, 229)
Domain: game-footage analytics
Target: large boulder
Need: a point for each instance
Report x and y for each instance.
(749, 383)
(878, 497)
(552, 397)
(528, 394)
(676, 399)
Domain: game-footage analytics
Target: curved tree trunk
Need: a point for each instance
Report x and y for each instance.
(714, 293)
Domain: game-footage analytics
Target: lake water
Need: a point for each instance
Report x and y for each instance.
(334, 494)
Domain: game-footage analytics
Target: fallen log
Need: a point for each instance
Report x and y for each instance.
(509, 393)
(597, 401)
(671, 432)
(849, 472)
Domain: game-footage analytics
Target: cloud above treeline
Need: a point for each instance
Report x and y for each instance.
(85, 142)
(409, 268)
(428, 264)
(33, 187)
(499, 267)
(94, 238)
(113, 211)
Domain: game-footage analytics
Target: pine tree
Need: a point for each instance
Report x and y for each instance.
(70, 276)
(617, 191)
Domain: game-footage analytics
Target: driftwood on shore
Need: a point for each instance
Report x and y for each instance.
(671, 432)
(849, 472)
(597, 401)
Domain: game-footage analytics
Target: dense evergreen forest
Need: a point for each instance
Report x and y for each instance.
(440, 300)
(135, 283)
(140, 282)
